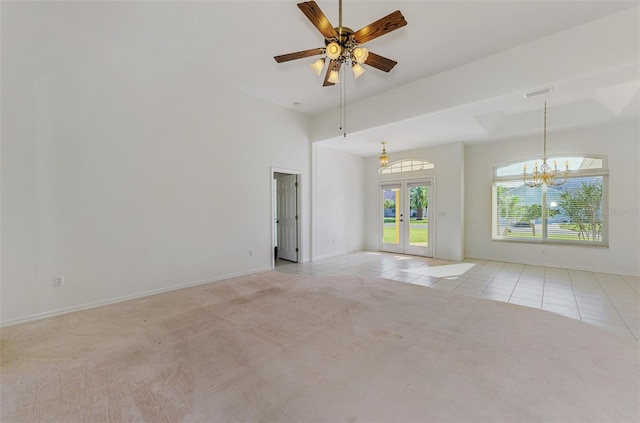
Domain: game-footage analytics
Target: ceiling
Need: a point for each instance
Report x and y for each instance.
(235, 42)
(440, 35)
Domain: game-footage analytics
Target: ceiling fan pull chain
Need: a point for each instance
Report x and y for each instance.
(341, 105)
(344, 101)
(342, 90)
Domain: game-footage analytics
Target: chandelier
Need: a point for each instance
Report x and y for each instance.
(384, 157)
(545, 175)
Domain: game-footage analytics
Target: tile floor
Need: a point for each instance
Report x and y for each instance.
(606, 300)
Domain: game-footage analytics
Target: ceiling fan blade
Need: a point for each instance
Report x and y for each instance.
(333, 65)
(318, 19)
(298, 55)
(380, 62)
(389, 23)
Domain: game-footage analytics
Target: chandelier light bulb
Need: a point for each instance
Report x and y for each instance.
(334, 77)
(357, 70)
(360, 54)
(317, 66)
(333, 50)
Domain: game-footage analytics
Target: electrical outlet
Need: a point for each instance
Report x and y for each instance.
(250, 253)
(58, 280)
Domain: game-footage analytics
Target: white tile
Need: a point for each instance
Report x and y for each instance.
(626, 300)
(502, 285)
(474, 283)
(404, 278)
(601, 317)
(527, 290)
(470, 292)
(495, 296)
(533, 277)
(593, 299)
(604, 307)
(533, 303)
(564, 302)
(632, 323)
(590, 292)
(581, 275)
(527, 296)
(497, 290)
(443, 287)
(569, 292)
(426, 280)
(558, 309)
(628, 313)
(621, 330)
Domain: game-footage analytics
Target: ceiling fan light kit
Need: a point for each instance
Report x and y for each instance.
(343, 45)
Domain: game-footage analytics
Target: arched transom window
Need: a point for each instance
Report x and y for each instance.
(406, 166)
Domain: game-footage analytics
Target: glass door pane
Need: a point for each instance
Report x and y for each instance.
(419, 216)
(391, 218)
(419, 222)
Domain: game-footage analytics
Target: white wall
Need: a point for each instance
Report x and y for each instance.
(338, 202)
(128, 174)
(449, 199)
(619, 142)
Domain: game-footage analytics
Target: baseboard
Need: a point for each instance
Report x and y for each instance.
(594, 269)
(326, 256)
(95, 304)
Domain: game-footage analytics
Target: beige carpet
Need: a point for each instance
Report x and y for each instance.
(286, 348)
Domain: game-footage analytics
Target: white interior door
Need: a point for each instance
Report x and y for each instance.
(287, 217)
(406, 221)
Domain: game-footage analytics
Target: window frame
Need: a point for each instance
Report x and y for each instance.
(406, 165)
(577, 173)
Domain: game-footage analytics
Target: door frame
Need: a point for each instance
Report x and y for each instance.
(402, 248)
(274, 200)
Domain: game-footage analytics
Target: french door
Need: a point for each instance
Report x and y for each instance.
(405, 219)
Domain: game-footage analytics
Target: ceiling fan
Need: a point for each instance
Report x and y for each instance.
(343, 45)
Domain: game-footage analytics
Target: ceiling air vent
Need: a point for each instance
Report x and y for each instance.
(538, 92)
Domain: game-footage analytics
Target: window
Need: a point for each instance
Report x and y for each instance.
(406, 166)
(569, 213)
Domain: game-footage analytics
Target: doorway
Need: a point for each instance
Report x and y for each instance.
(406, 223)
(286, 216)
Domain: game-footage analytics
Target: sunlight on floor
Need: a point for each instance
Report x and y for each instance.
(442, 271)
